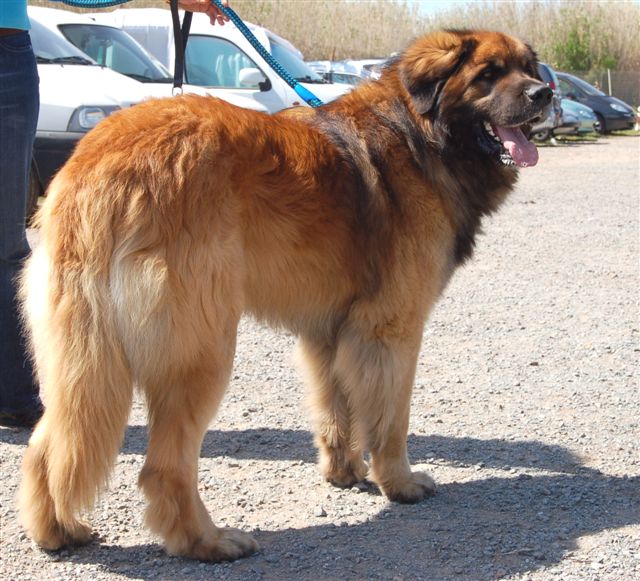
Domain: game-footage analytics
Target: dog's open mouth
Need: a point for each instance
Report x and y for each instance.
(509, 144)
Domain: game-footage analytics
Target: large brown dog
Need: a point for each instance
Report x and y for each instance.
(342, 224)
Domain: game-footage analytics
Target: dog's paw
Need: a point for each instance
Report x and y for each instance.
(345, 475)
(228, 545)
(57, 537)
(414, 489)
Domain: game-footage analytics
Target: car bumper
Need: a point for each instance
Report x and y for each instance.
(568, 129)
(589, 126)
(620, 123)
(50, 152)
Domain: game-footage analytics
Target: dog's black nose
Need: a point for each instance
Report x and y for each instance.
(539, 93)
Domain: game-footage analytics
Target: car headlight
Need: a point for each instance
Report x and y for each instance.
(619, 108)
(87, 117)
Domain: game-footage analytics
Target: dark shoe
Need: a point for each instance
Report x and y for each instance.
(23, 419)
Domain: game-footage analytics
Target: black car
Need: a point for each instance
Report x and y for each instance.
(613, 114)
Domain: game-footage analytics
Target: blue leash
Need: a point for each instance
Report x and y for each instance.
(302, 91)
(92, 3)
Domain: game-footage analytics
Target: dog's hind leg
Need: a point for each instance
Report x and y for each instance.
(181, 403)
(340, 454)
(87, 389)
(377, 368)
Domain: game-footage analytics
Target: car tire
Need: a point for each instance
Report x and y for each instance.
(543, 135)
(33, 193)
(603, 128)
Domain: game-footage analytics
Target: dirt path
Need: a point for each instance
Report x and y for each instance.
(526, 410)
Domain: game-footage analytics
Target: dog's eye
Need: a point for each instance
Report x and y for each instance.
(490, 73)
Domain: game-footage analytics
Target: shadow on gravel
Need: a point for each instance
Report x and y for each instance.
(297, 445)
(13, 436)
(478, 529)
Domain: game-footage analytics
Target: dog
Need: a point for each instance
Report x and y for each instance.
(342, 224)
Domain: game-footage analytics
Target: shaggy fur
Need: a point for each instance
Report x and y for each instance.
(342, 224)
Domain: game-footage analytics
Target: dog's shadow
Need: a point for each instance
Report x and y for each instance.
(478, 529)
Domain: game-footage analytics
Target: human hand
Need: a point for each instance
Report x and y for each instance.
(214, 14)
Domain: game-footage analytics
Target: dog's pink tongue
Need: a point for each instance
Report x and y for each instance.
(522, 151)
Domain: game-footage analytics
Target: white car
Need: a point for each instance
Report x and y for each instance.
(364, 68)
(221, 57)
(76, 92)
(112, 47)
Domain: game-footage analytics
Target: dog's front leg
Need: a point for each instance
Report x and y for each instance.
(339, 451)
(376, 364)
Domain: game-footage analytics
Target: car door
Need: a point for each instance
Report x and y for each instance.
(216, 62)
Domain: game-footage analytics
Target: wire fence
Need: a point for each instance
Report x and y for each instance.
(624, 85)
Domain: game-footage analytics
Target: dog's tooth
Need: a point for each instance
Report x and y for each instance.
(506, 159)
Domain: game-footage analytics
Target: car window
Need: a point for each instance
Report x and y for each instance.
(291, 63)
(47, 45)
(346, 78)
(548, 75)
(567, 88)
(114, 48)
(544, 74)
(585, 87)
(216, 62)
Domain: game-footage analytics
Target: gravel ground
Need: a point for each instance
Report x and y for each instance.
(525, 410)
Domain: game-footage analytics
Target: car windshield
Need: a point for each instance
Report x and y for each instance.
(114, 48)
(586, 87)
(294, 65)
(49, 48)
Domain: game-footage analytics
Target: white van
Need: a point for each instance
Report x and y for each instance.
(221, 57)
(76, 92)
(112, 47)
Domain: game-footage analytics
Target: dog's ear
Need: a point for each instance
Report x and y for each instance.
(429, 63)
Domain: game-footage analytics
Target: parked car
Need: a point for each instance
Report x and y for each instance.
(112, 47)
(76, 92)
(221, 57)
(544, 129)
(363, 69)
(75, 95)
(344, 78)
(613, 114)
(588, 121)
(569, 125)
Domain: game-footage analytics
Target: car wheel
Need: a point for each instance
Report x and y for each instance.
(543, 135)
(32, 194)
(602, 129)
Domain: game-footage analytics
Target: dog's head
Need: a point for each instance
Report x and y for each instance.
(479, 90)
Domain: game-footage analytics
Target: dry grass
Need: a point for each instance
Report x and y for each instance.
(606, 29)
(347, 28)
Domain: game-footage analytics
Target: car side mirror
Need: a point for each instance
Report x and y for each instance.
(251, 77)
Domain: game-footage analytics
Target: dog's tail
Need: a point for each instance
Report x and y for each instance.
(85, 380)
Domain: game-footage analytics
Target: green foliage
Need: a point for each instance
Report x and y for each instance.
(574, 52)
(585, 45)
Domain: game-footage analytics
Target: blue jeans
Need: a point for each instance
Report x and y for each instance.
(19, 105)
